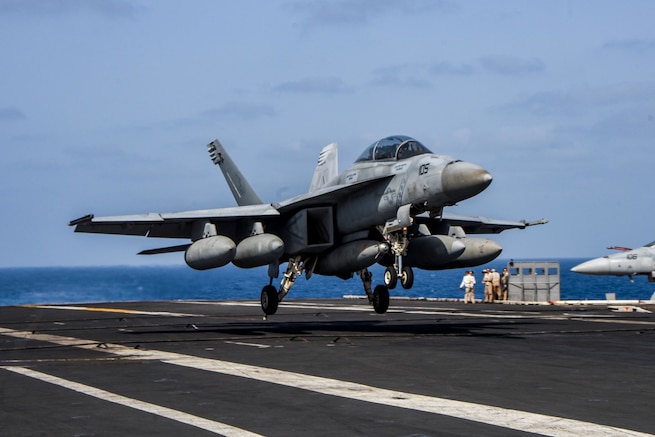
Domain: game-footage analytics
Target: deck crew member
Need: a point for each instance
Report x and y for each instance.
(488, 291)
(468, 284)
(495, 284)
(504, 284)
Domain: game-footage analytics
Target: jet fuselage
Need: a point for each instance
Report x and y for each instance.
(428, 182)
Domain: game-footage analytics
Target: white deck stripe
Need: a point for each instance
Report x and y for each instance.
(168, 413)
(507, 418)
(112, 310)
(405, 310)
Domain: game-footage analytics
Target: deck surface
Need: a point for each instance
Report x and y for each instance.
(325, 368)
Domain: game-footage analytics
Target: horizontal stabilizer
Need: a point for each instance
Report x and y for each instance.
(535, 222)
(472, 225)
(171, 249)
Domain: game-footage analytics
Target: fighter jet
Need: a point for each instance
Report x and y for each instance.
(628, 262)
(387, 208)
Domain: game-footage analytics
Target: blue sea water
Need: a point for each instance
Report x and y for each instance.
(56, 285)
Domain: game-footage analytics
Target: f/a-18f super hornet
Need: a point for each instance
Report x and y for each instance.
(386, 208)
(628, 262)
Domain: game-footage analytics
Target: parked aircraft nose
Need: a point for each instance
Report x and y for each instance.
(597, 266)
(461, 180)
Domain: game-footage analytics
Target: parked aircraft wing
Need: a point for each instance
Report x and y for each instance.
(473, 225)
(621, 248)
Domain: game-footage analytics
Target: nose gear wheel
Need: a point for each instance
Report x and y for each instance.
(390, 277)
(407, 277)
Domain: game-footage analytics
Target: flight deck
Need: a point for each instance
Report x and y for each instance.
(325, 368)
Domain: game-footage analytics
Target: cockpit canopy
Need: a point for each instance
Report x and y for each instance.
(396, 147)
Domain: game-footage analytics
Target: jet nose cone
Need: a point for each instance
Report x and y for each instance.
(598, 266)
(461, 180)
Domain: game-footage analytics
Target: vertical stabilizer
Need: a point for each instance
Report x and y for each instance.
(327, 167)
(243, 193)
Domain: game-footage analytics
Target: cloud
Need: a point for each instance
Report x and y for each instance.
(242, 110)
(525, 135)
(314, 85)
(448, 69)
(584, 99)
(404, 76)
(632, 127)
(418, 75)
(11, 114)
(349, 13)
(543, 103)
(639, 46)
(106, 8)
(462, 136)
(511, 65)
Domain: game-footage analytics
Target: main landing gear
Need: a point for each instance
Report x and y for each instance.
(379, 297)
(271, 298)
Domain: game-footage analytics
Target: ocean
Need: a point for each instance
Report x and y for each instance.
(58, 285)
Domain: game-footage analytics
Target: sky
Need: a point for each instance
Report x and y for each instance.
(106, 107)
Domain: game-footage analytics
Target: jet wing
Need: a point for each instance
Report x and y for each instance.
(473, 225)
(181, 224)
(169, 225)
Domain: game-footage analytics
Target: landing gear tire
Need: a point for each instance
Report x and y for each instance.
(407, 277)
(381, 299)
(390, 278)
(269, 300)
